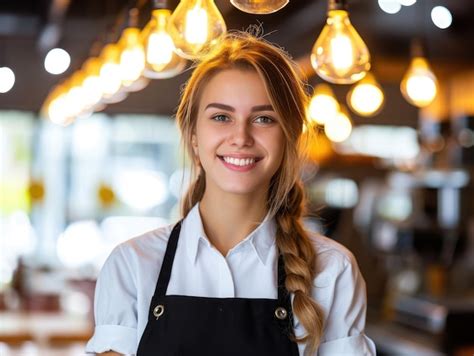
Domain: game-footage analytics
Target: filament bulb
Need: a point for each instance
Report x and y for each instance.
(132, 56)
(419, 84)
(323, 105)
(195, 27)
(259, 6)
(339, 54)
(161, 59)
(366, 97)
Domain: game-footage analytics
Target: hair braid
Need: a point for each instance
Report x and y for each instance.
(299, 257)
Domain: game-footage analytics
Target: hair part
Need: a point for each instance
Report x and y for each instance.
(286, 200)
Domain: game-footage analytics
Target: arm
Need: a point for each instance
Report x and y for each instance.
(115, 304)
(345, 322)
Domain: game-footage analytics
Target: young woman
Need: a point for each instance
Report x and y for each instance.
(239, 274)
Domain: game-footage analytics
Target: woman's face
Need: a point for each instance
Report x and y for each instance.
(238, 138)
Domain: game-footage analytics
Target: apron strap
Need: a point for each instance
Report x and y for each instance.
(284, 297)
(165, 272)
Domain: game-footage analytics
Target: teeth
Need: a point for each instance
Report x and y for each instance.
(239, 162)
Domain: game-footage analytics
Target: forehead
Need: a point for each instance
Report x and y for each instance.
(235, 87)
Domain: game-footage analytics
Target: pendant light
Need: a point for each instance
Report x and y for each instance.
(7, 79)
(110, 72)
(92, 84)
(339, 54)
(339, 128)
(366, 97)
(419, 85)
(161, 59)
(132, 55)
(195, 27)
(323, 105)
(260, 7)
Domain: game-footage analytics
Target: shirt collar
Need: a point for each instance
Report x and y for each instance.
(192, 234)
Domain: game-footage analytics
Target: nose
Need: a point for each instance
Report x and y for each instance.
(241, 134)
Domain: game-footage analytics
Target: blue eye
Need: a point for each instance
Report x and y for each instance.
(265, 120)
(220, 117)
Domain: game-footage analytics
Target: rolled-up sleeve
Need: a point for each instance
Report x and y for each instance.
(115, 308)
(345, 321)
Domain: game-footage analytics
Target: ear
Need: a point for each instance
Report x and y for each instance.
(194, 144)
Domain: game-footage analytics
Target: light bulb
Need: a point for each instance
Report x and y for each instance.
(110, 70)
(259, 6)
(195, 27)
(339, 128)
(7, 79)
(161, 59)
(419, 85)
(57, 61)
(55, 106)
(366, 96)
(339, 55)
(323, 105)
(76, 95)
(57, 110)
(132, 56)
(441, 17)
(92, 84)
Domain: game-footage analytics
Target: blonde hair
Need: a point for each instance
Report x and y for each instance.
(286, 200)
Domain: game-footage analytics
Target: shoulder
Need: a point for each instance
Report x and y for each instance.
(331, 253)
(139, 251)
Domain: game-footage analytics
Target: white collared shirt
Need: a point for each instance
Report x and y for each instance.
(128, 278)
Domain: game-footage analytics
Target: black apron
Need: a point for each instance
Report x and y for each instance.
(187, 325)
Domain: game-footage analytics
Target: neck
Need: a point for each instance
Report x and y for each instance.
(228, 220)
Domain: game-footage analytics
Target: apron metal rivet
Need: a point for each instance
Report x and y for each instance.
(281, 313)
(158, 311)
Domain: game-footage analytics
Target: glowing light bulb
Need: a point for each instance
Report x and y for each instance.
(419, 85)
(366, 97)
(57, 61)
(56, 107)
(259, 6)
(339, 128)
(195, 27)
(132, 56)
(407, 2)
(323, 105)
(161, 59)
(76, 95)
(441, 17)
(110, 70)
(92, 84)
(7, 79)
(390, 6)
(57, 110)
(339, 54)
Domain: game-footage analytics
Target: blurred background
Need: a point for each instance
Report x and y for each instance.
(90, 155)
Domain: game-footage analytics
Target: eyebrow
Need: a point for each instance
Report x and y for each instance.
(231, 109)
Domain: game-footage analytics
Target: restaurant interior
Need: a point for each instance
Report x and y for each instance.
(90, 154)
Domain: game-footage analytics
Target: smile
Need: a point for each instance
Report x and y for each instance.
(239, 163)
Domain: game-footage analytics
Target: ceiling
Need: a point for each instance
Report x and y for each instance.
(29, 27)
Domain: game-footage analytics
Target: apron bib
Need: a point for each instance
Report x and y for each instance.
(186, 325)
